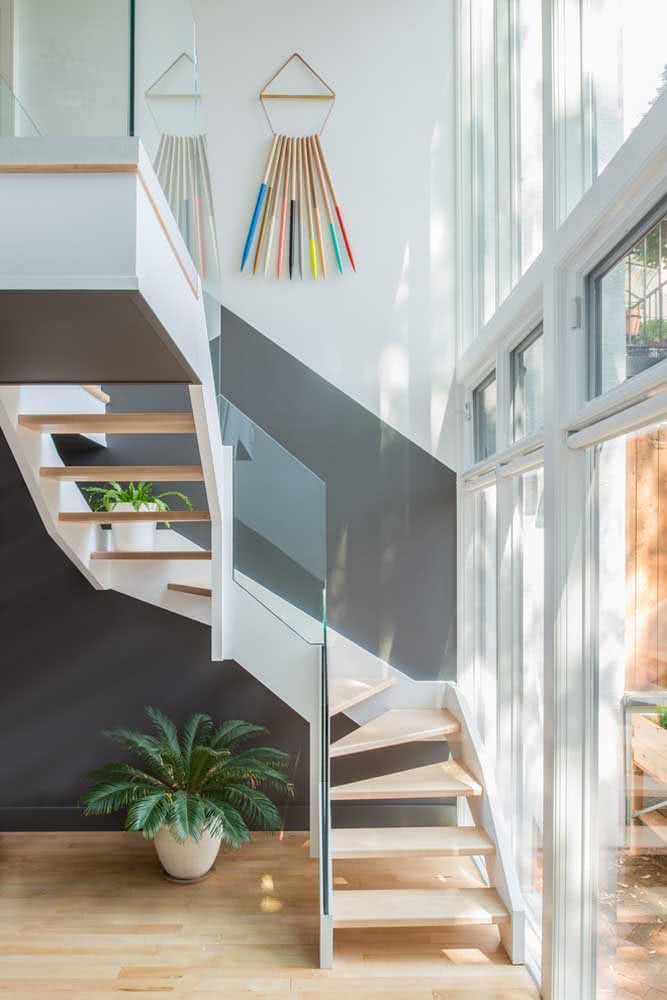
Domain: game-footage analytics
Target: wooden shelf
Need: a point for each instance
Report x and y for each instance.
(435, 781)
(156, 554)
(344, 692)
(109, 423)
(188, 588)
(400, 725)
(124, 473)
(132, 516)
(412, 841)
(98, 393)
(417, 907)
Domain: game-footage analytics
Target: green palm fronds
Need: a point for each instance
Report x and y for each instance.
(192, 781)
(105, 498)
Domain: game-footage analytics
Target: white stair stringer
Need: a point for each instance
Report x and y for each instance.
(486, 815)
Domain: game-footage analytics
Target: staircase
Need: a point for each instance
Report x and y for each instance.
(444, 876)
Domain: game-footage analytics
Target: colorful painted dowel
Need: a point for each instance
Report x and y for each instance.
(300, 211)
(283, 215)
(292, 207)
(339, 212)
(316, 208)
(327, 202)
(261, 195)
(267, 204)
(275, 201)
(309, 202)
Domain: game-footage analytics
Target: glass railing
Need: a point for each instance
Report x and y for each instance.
(119, 68)
(279, 526)
(14, 119)
(280, 558)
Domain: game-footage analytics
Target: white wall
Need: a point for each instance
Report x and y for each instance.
(385, 335)
(71, 65)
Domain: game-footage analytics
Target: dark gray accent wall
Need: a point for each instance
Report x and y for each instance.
(76, 661)
(391, 506)
(81, 336)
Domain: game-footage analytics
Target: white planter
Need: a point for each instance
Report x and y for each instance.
(138, 537)
(187, 859)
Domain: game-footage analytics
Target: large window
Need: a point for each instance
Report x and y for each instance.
(502, 148)
(529, 589)
(484, 400)
(527, 365)
(485, 679)
(628, 312)
(629, 814)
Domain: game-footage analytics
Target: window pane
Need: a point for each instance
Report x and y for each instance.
(631, 321)
(529, 833)
(629, 818)
(485, 675)
(528, 386)
(484, 416)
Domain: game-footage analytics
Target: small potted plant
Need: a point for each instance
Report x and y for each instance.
(137, 536)
(191, 791)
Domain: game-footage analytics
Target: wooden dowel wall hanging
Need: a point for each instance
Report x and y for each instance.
(296, 192)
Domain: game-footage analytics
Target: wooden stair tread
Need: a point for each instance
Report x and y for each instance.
(109, 423)
(417, 907)
(344, 692)
(189, 588)
(124, 473)
(434, 781)
(132, 516)
(159, 554)
(400, 725)
(412, 841)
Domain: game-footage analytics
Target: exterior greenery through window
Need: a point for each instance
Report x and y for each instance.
(629, 306)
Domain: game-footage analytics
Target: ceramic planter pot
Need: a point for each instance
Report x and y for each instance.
(134, 537)
(187, 859)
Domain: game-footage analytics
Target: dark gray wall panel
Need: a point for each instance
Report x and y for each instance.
(82, 336)
(76, 661)
(391, 506)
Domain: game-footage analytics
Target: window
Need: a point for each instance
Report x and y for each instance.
(629, 306)
(485, 616)
(528, 839)
(629, 815)
(527, 364)
(484, 418)
(501, 110)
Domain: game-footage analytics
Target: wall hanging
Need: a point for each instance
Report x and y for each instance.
(295, 195)
(181, 161)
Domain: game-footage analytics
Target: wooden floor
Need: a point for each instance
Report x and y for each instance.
(85, 915)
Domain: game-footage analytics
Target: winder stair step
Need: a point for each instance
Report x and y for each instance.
(124, 473)
(417, 907)
(158, 554)
(188, 588)
(109, 423)
(132, 516)
(412, 841)
(400, 725)
(434, 781)
(344, 692)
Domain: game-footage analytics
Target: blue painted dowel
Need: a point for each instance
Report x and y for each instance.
(261, 195)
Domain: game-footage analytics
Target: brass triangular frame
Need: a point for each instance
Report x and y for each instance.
(264, 95)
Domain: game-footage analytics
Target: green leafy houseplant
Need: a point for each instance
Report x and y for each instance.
(138, 495)
(201, 780)
(662, 715)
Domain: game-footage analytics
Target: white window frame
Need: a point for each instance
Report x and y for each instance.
(553, 291)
